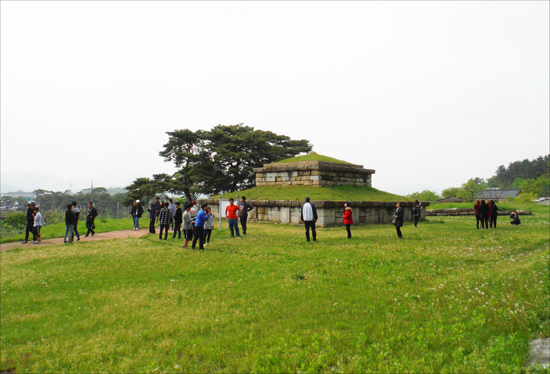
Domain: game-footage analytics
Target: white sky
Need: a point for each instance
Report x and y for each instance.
(428, 94)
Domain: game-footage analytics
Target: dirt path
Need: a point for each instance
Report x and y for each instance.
(96, 237)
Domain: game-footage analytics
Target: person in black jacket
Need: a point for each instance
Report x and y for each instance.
(30, 224)
(308, 215)
(91, 213)
(76, 212)
(136, 212)
(494, 214)
(399, 220)
(69, 224)
(484, 215)
(152, 217)
(243, 216)
(178, 218)
(515, 218)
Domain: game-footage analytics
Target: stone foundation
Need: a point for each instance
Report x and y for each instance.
(313, 173)
(329, 212)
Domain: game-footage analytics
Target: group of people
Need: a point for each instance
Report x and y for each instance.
(34, 224)
(486, 214)
(195, 223)
(35, 221)
(72, 216)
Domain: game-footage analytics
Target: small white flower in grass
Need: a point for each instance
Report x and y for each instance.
(176, 366)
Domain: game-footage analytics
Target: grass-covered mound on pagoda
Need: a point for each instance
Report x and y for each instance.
(328, 193)
(311, 157)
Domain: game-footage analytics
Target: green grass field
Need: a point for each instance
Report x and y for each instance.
(331, 193)
(447, 298)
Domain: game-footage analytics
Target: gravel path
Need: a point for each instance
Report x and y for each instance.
(96, 237)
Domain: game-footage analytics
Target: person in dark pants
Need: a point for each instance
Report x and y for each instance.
(515, 218)
(484, 214)
(398, 220)
(165, 218)
(198, 234)
(476, 212)
(157, 207)
(208, 226)
(152, 217)
(69, 222)
(348, 218)
(30, 224)
(494, 214)
(243, 216)
(76, 212)
(308, 215)
(178, 218)
(416, 211)
(91, 213)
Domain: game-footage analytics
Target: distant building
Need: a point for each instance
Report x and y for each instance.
(27, 195)
(451, 199)
(498, 194)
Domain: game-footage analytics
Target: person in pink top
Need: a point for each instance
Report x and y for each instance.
(348, 218)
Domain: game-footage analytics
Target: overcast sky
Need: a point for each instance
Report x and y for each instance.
(429, 94)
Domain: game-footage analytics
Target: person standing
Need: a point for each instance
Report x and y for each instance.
(348, 218)
(476, 212)
(158, 207)
(30, 223)
(398, 220)
(136, 212)
(76, 212)
(69, 223)
(308, 215)
(484, 214)
(416, 210)
(38, 223)
(172, 208)
(91, 213)
(494, 214)
(178, 218)
(164, 218)
(232, 217)
(208, 226)
(187, 224)
(152, 217)
(245, 207)
(202, 216)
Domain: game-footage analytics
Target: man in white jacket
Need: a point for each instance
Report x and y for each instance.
(308, 215)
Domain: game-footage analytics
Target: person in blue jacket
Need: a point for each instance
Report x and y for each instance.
(201, 218)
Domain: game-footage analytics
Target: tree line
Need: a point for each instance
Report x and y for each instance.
(531, 176)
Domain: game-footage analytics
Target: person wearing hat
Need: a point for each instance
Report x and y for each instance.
(136, 212)
(30, 223)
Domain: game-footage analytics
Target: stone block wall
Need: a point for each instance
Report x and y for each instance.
(314, 173)
(329, 212)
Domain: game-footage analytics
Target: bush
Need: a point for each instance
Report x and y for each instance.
(16, 221)
(51, 218)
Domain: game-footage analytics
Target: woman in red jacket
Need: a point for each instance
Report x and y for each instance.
(476, 212)
(348, 218)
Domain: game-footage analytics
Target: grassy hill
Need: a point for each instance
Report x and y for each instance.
(312, 157)
(333, 193)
